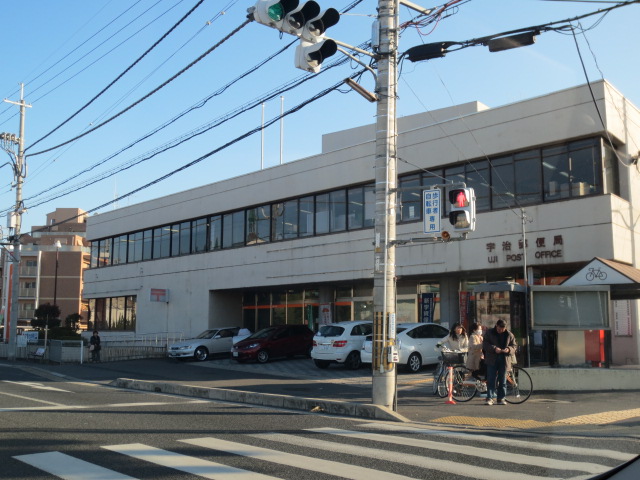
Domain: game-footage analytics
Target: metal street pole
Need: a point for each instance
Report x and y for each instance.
(19, 174)
(384, 291)
(58, 245)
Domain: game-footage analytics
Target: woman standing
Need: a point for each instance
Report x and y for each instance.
(475, 349)
(456, 340)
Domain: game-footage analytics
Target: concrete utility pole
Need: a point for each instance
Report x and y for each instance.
(384, 288)
(19, 173)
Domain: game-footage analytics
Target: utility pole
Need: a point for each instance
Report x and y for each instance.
(19, 173)
(384, 288)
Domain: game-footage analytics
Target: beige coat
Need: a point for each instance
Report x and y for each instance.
(475, 351)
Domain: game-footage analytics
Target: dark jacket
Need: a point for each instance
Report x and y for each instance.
(95, 340)
(491, 341)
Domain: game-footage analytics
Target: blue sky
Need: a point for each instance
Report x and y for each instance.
(67, 51)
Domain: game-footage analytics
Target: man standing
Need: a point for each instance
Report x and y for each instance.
(498, 344)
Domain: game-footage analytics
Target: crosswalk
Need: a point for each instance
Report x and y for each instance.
(373, 451)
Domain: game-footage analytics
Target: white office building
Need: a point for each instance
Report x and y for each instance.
(294, 243)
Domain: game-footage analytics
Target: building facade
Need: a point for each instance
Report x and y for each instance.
(50, 273)
(294, 243)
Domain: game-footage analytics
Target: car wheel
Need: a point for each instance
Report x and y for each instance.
(263, 356)
(322, 363)
(414, 364)
(201, 354)
(353, 361)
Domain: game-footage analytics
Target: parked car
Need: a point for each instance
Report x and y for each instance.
(272, 342)
(209, 342)
(416, 344)
(341, 343)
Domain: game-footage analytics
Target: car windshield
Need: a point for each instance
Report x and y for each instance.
(207, 334)
(264, 333)
(330, 331)
(400, 329)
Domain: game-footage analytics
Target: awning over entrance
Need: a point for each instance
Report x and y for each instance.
(624, 280)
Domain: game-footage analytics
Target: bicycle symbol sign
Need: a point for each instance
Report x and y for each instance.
(594, 273)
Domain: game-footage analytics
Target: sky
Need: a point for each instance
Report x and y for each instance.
(68, 51)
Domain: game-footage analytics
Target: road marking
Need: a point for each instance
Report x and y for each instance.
(469, 450)
(39, 386)
(601, 418)
(452, 467)
(184, 463)
(509, 442)
(328, 467)
(60, 406)
(70, 468)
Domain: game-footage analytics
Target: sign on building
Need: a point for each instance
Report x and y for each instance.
(432, 211)
(159, 295)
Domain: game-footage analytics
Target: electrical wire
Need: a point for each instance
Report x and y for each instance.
(247, 134)
(155, 44)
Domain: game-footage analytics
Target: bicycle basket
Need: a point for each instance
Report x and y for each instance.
(454, 358)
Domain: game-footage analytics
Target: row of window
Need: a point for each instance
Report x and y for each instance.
(534, 176)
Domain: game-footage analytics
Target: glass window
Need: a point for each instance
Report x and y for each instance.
(478, 179)
(135, 247)
(356, 208)
(410, 199)
(175, 239)
(199, 235)
(555, 167)
(503, 182)
(119, 250)
(338, 210)
(585, 167)
(95, 254)
(185, 238)
(147, 244)
(322, 214)
(277, 221)
(258, 225)
(369, 205)
(233, 229)
(306, 217)
(528, 177)
(215, 236)
(161, 242)
(105, 252)
(610, 169)
(290, 219)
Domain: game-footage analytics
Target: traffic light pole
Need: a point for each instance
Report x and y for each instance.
(384, 288)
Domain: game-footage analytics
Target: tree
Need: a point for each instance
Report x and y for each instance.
(46, 314)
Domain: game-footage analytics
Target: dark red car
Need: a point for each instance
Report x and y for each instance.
(272, 342)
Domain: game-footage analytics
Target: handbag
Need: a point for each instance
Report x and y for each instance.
(92, 348)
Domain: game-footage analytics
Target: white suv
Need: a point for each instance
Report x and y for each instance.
(341, 343)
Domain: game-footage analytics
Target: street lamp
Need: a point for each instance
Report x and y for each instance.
(58, 245)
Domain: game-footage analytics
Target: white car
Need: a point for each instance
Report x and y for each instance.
(340, 343)
(416, 344)
(209, 342)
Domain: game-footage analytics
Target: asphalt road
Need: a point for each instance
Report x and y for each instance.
(57, 427)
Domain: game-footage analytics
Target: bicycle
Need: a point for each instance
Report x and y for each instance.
(448, 358)
(465, 386)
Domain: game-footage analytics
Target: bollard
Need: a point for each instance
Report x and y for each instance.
(450, 400)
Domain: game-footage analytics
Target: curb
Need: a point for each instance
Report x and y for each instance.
(315, 405)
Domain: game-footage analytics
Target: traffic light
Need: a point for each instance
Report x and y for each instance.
(309, 56)
(462, 209)
(272, 13)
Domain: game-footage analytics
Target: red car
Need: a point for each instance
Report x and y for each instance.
(272, 342)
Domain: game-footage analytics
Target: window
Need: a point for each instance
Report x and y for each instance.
(215, 236)
(185, 238)
(147, 245)
(528, 177)
(410, 198)
(355, 214)
(322, 214)
(199, 235)
(503, 182)
(585, 167)
(258, 225)
(306, 216)
(478, 179)
(135, 247)
(555, 163)
(119, 253)
(233, 229)
(162, 242)
(369, 205)
(338, 216)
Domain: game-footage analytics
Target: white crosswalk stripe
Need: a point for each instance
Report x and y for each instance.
(434, 451)
(185, 463)
(70, 468)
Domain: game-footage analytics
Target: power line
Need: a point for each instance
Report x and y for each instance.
(155, 44)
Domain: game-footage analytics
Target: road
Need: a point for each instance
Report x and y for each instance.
(56, 428)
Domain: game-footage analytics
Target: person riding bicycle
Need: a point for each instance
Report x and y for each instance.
(499, 346)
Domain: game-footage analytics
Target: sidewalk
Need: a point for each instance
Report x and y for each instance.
(294, 384)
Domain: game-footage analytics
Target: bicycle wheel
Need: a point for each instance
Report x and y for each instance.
(436, 376)
(464, 385)
(442, 384)
(519, 386)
